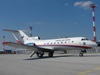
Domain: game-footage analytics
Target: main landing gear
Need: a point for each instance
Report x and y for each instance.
(40, 54)
(81, 54)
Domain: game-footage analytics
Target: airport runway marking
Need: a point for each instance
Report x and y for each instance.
(85, 72)
(88, 71)
(97, 68)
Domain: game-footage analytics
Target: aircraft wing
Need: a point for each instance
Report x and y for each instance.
(16, 45)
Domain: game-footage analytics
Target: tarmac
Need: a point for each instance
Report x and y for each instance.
(71, 64)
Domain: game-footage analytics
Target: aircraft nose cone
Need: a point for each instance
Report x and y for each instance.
(94, 44)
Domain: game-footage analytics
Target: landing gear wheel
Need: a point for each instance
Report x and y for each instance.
(50, 54)
(81, 54)
(40, 54)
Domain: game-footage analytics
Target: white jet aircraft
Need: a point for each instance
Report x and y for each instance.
(39, 46)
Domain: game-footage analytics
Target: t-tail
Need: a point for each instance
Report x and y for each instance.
(19, 35)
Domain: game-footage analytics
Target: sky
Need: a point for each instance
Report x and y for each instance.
(49, 18)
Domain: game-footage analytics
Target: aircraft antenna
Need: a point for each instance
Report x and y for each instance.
(30, 31)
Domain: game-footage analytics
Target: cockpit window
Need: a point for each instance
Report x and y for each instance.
(84, 39)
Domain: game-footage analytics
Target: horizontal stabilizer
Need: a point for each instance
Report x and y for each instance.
(10, 30)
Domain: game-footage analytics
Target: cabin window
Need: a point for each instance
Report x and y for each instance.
(54, 43)
(58, 42)
(61, 42)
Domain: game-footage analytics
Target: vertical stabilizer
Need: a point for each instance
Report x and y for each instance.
(23, 35)
(18, 38)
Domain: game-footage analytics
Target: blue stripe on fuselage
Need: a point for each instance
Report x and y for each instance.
(30, 44)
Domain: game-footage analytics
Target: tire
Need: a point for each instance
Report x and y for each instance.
(40, 54)
(81, 54)
(50, 54)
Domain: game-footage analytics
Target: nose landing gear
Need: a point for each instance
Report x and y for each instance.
(82, 52)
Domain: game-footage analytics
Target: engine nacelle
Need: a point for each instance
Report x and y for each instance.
(34, 38)
(30, 44)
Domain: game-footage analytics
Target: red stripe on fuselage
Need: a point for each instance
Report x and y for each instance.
(78, 46)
